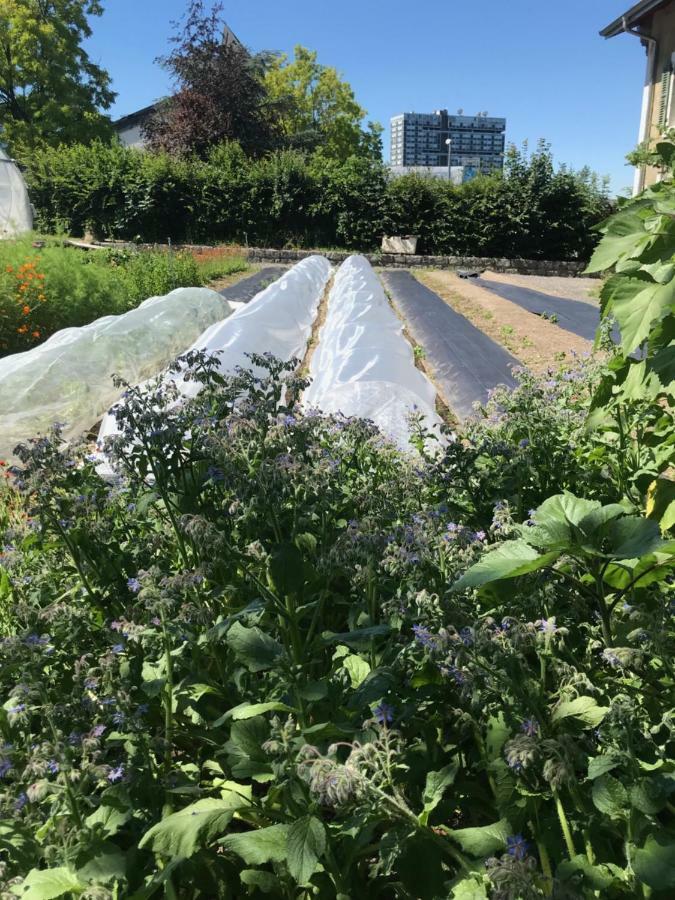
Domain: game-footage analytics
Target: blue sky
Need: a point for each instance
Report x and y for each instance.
(540, 63)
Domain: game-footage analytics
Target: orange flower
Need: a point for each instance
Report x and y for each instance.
(9, 269)
(22, 329)
(26, 310)
(36, 334)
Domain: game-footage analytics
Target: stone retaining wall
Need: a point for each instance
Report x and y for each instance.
(399, 261)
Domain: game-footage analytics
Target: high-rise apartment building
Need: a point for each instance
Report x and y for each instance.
(419, 139)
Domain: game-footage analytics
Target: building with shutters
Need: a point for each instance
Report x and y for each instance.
(653, 23)
(420, 139)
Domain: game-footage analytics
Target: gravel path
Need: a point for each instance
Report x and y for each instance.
(555, 285)
(464, 362)
(579, 317)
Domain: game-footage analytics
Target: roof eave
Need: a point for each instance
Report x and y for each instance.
(632, 17)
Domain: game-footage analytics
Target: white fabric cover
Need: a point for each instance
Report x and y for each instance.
(363, 365)
(16, 215)
(69, 378)
(278, 320)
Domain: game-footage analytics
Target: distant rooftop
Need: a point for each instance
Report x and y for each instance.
(633, 17)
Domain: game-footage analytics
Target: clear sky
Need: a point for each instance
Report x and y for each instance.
(540, 63)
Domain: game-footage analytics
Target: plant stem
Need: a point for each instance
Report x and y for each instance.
(564, 824)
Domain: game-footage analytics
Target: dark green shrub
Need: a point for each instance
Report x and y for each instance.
(531, 210)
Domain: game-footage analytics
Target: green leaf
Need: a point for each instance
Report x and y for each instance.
(259, 847)
(264, 881)
(585, 709)
(110, 818)
(357, 668)
(624, 237)
(648, 796)
(610, 796)
(637, 305)
(306, 844)
(498, 733)
(470, 887)
(599, 765)
(195, 826)
(435, 787)
(47, 884)
(250, 710)
(510, 560)
(107, 864)
(357, 637)
(287, 569)
(481, 842)
(245, 754)
(599, 877)
(654, 864)
(633, 537)
(257, 650)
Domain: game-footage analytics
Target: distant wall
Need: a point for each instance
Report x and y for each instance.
(400, 261)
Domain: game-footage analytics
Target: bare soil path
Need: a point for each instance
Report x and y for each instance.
(536, 342)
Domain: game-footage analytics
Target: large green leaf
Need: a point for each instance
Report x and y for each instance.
(47, 884)
(637, 305)
(435, 787)
(599, 877)
(195, 826)
(633, 537)
(654, 864)
(480, 842)
(509, 560)
(600, 765)
(259, 847)
(257, 650)
(306, 844)
(287, 569)
(624, 237)
(585, 709)
(610, 796)
(245, 754)
(250, 710)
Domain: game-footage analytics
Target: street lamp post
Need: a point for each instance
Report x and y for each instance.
(448, 144)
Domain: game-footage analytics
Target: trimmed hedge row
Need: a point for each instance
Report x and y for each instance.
(286, 199)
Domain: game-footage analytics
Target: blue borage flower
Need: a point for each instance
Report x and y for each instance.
(116, 774)
(384, 713)
(530, 727)
(517, 846)
(425, 637)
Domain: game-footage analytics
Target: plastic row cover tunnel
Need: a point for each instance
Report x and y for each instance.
(16, 215)
(363, 365)
(278, 320)
(68, 379)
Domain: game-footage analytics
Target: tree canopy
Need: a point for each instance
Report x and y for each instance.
(220, 93)
(50, 90)
(317, 108)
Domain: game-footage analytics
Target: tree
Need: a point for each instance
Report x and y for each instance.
(50, 91)
(220, 94)
(317, 108)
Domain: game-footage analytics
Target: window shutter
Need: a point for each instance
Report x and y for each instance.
(664, 107)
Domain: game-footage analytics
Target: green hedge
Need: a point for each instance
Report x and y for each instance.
(286, 199)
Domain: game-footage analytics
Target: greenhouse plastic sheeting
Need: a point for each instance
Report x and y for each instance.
(278, 320)
(363, 365)
(69, 378)
(16, 215)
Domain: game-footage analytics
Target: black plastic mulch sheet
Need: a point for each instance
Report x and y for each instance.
(465, 363)
(247, 288)
(573, 315)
